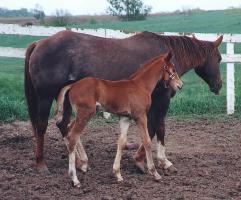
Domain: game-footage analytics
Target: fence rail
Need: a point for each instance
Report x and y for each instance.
(230, 57)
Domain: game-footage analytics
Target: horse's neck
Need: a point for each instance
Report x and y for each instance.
(187, 66)
(148, 78)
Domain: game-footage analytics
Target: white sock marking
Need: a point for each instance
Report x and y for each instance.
(161, 156)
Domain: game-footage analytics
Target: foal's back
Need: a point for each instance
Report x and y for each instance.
(122, 97)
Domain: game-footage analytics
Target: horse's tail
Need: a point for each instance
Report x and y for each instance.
(30, 93)
(60, 103)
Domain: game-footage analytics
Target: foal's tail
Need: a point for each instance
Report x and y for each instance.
(30, 93)
(60, 103)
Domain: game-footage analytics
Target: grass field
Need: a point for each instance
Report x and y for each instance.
(195, 97)
(223, 21)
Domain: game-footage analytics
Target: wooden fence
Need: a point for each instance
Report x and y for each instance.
(230, 57)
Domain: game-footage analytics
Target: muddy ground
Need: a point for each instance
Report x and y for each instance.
(206, 153)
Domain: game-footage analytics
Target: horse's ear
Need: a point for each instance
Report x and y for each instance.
(168, 56)
(218, 41)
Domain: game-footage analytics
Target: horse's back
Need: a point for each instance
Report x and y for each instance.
(69, 54)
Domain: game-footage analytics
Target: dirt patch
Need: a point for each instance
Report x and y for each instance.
(206, 153)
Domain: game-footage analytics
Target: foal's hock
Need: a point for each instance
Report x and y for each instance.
(130, 99)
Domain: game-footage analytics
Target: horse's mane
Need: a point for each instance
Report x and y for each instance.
(187, 51)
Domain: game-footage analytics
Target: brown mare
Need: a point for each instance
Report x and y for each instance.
(130, 99)
(67, 56)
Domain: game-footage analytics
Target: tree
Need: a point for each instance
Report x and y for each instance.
(38, 13)
(128, 9)
(61, 17)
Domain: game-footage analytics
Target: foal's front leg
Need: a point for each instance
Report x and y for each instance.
(142, 124)
(124, 126)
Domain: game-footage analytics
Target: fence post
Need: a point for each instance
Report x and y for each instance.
(230, 81)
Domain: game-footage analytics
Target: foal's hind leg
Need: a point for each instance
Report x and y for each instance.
(81, 157)
(124, 126)
(146, 140)
(82, 118)
(80, 154)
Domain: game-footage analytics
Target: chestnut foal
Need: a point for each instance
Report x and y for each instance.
(130, 99)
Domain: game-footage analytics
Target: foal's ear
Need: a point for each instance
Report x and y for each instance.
(218, 41)
(168, 56)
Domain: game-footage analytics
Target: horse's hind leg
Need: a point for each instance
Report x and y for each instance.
(81, 156)
(41, 126)
(124, 126)
(72, 138)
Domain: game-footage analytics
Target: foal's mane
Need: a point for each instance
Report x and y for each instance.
(187, 51)
(144, 67)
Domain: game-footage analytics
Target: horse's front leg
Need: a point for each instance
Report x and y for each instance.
(156, 125)
(163, 162)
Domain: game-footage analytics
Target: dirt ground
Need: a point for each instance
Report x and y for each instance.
(206, 153)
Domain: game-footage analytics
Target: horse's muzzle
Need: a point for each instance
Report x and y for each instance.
(216, 88)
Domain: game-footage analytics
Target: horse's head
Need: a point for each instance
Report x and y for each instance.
(170, 76)
(210, 71)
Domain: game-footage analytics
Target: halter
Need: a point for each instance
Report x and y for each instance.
(171, 75)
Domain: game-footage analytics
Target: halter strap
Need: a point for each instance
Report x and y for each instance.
(171, 75)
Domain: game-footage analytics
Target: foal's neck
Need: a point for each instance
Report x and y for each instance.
(149, 75)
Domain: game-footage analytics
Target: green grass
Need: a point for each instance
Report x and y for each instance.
(12, 102)
(222, 21)
(18, 41)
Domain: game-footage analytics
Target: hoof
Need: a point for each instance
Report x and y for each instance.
(120, 179)
(43, 169)
(77, 184)
(131, 146)
(158, 178)
(140, 166)
(170, 170)
(84, 168)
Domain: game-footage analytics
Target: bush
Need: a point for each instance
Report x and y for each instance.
(61, 17)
